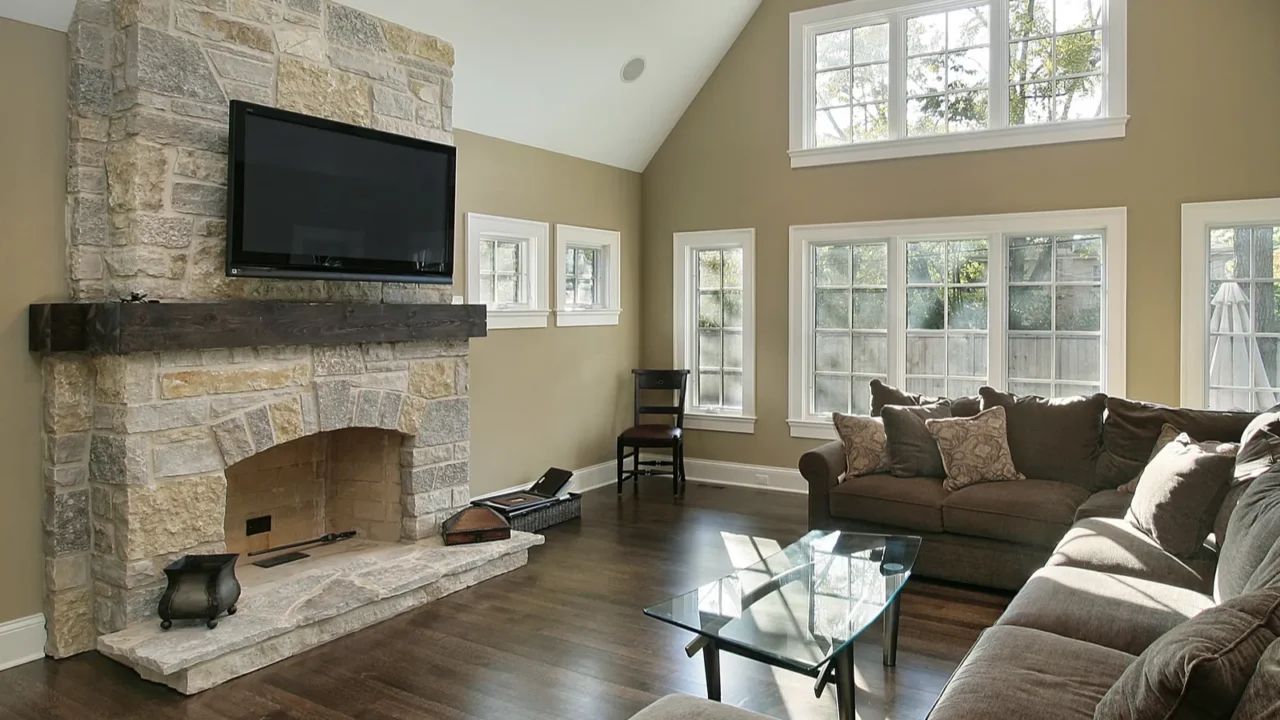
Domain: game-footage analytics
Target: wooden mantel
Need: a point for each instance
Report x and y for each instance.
(115, 328)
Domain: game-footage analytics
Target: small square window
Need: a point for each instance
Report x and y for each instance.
(588, 276)
(505, 265)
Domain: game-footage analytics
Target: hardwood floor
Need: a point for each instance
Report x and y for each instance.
(561, 638)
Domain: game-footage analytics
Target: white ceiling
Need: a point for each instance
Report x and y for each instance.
(546, 72)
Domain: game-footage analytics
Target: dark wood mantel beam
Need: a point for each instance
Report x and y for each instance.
(117, 328)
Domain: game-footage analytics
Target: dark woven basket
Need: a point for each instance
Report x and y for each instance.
(546, 516)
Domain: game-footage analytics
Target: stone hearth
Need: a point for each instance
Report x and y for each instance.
(138, 444)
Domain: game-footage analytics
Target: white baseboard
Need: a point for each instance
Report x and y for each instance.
(21, 641)
(584, 480)
(706, 472)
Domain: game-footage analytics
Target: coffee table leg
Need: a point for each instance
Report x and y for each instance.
(711, 661)
(845, 686)
(891, 614)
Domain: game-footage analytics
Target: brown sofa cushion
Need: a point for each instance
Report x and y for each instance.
(1031, 512)
(1180, 492)
(866, 449)
(912, 450)
(1200, 668)
(1105, 503)
(1115, 546)
(1053, 439)
(1114, 611)
(1168, 434)
(910, 503)
(1261, 699)
(1223, 518)
(1014, 673)
(1254, 529)
(1259, 447)
(882, 395)
(974, 450)
(1130, 429)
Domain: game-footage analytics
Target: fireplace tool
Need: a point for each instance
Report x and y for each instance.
(329, 539)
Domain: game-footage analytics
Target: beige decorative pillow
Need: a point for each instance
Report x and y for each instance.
(866, 448)
(1168, 434)
(974, 450)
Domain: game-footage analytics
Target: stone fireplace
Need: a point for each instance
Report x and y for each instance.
(153, 455)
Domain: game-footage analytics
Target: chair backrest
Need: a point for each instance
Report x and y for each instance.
(666, 382)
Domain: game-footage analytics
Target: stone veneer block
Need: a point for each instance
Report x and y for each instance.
(191, 383)
(281, 619)
(170, 65)
(323, 92)
(175, 516)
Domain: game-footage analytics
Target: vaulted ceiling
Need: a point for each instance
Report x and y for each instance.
(547, 73)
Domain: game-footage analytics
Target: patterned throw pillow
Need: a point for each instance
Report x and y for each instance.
(1168, 434)
(975, 450)
(866, 449)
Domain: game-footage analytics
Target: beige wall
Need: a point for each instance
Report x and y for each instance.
(33, 131)
(1204, 96)
(554, 396)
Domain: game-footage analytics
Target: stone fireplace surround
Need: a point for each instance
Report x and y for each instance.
(136, 445)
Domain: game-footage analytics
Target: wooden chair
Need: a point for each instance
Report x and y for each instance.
(642, 436)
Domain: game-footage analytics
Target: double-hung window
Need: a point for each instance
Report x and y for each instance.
(1231, 305)
(1033, 303)
(588, 276)
(877, 79)
(715, 327)
(506, 269)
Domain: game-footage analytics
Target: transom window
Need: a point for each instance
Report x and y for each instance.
(1032, 303)
(921, 77)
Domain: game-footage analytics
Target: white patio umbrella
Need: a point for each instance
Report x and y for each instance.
(1235, 364)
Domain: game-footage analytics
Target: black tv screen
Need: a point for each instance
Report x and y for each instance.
(311, 198)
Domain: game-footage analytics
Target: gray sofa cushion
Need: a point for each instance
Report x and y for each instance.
(683, 707)
(1130, 429)
(1254, 529)
(1032, 512)
(912, 503)
(1115, 546)
(912, 450)
(1259, 446)
(1223, 518)
(1015, 672)
(1180, 492)
(1106, 504)
(882, 395)
(1261, 699)
(1056, 439)
(1114, 611)
(1198, 670)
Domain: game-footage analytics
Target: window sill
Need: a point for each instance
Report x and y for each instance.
(741, 424)
(586, 318)
(517, 319)
(1024, 136)
(813, 429)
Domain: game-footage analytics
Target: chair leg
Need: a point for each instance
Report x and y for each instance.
(635, 470)
(675, 469)
(683, 477)
(621, 450)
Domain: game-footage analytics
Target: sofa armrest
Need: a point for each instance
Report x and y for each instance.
(822, 468)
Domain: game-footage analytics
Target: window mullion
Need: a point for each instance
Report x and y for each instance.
(897, 77)
(998, 311)
(999, 85)
(897, 343)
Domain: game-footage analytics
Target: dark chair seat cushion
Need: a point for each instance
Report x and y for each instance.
(1114, 611)
(912, 503)
(652, 433)
(1106, 504)
(1015, 673)
(1032, 512)
(1117, 547)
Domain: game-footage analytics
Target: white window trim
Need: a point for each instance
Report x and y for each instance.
(537, 235)
(609, 243)
(685, 245)
(1113, 221)
(1197, 220)
(806, 24)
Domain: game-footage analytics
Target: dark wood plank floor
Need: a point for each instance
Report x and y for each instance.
(561, 638)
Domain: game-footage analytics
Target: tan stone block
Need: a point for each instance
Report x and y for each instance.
(316, 90)
(152, 13)
(66, 572)
(168, 437)
(286, 419)
(125, 379)
(192, 383)
(174, 516)
(411, 411)
(215, 27)
(433, 378)
(128, 262)
(68, 391)
(69, 622)
(410, 42)
(200, 165)
(137, 173)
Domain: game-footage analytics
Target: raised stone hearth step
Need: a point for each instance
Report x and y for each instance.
(311, 604)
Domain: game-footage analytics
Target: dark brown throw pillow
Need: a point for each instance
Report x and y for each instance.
(1259, 447)
(1130, 430)
(1057, 439)
(1180, 491)
(1199, 670)
(1168, 434)
(883, 395)
(913, 452)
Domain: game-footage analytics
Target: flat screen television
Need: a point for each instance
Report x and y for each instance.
(311, 198)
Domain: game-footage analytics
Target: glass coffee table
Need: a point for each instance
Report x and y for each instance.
(801, 608)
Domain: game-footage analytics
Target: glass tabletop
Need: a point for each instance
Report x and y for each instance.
(802, 605)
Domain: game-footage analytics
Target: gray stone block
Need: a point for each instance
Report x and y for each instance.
(64, 449)
(392, 103)
(166, 415)
(351, 28)
(161, 231)
(368, 66)
(338, 360)
(89, 220)
(425, 503)
(198, 199)
(311, 7)
(204, 111)
(436, 477)
(69, 522)
(166, 129)
(88, 43)
(258, 421)
(242, 69)
(389, 410)
(367, 408)
(93, 12)
(187, 458)
(90, 90)
(118, 460)
(249, 93)
(67, 572)
(171, 65)
(445, 421)
(66, 476)
(233, 439)
(335, 404)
